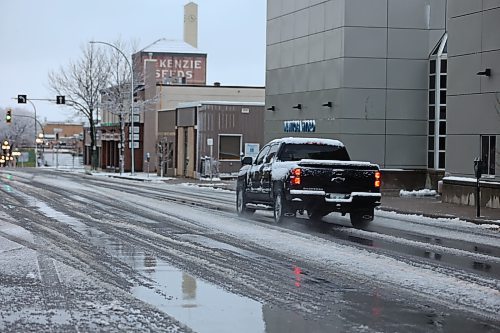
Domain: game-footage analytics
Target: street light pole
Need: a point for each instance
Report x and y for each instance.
(131, 101)
(36, 135)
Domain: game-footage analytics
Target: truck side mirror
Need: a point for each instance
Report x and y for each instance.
(247, 160)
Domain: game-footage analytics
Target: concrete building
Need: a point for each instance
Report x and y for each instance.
(473, 122)
(357, 68)
(375, 74)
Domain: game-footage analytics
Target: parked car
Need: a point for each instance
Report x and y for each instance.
(310, 175)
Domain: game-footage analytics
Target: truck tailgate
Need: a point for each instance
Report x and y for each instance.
(338, 177)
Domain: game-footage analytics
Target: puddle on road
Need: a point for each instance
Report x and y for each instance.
(205, 307)
(61, 217)
(214, 244)
(471, 264)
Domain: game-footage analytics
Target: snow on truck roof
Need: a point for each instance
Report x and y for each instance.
(294, 140)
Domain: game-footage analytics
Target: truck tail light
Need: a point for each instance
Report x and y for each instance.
(377, 179)
(295, 177)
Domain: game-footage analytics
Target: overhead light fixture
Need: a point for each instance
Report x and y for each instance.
(298, 106)
(486, 72)
(328, 104)
(271, 108)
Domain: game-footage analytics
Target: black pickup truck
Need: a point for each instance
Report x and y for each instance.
(312, 175)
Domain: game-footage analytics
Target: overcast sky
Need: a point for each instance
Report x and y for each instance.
(37, 36)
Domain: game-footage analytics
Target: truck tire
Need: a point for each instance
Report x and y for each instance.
(241, 202)
(279, 208)
(361, 218)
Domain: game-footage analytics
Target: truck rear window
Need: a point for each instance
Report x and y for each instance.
(297, 152)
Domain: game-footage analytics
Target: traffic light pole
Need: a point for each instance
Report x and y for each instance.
(36, 134)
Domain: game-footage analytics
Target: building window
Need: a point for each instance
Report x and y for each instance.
(488, 152)
(438, 65)
(229, 147)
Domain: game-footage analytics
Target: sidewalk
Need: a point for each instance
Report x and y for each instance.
(429, 206)
(433, 207)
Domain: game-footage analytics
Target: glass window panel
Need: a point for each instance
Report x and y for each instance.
(442, 143)
(432, 82)
(485, 147)
(430, 159)
(442, 112)
(432, 97)
(431, 128)
(442, 81)
(445, 49)
(430, 145)
(442, 128)
(493, 143)
(441, 160)
(432, 67)
(444, 66)
(432, 113)
(229, 147)
(442, 97)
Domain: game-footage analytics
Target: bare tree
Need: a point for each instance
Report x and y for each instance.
(82, 82)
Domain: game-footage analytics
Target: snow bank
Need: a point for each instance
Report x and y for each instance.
(418, 193)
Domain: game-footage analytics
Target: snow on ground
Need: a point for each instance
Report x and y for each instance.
(360, 264)
(454, 223)
(418, 193)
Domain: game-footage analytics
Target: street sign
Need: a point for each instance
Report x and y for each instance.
(22, 99)
(137, 118)
(136, 145)
(136, 137)
(60, 100)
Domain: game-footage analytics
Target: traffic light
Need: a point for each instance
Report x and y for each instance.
(8, 116)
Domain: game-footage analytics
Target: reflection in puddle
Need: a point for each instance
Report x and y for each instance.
(61, 217)
(432, 255)
(360, 240)
(464, 262)
(481, 266)
(297, 272)
(200, 305)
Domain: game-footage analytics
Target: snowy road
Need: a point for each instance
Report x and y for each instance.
(83, 253)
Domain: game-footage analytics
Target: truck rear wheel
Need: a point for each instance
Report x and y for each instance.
(241, 202)
(279, 208)
(361, 218)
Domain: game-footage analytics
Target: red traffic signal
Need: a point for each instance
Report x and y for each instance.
(8, 116)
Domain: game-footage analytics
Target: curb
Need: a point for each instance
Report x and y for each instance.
(477, 221)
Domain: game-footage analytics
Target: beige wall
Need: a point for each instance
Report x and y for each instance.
(67, 130)
(171, 95)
